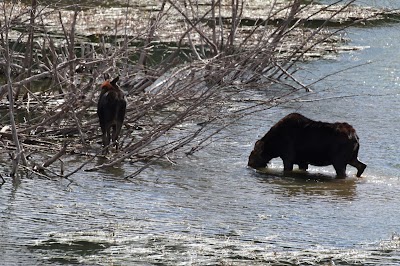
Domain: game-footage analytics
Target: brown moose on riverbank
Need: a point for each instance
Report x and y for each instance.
(111, 109)
(302, 141)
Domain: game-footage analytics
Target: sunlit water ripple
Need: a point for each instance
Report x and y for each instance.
(210, 209)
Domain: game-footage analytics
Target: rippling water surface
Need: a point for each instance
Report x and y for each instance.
(209, 209)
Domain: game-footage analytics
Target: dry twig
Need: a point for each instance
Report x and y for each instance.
(179, 96)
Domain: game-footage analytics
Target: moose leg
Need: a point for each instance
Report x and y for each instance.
(340, 170)
(115, 134)
(359, 165)
(287, 165)
(303, 166)
(106, 140)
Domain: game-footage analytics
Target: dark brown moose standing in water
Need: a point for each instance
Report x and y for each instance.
(111, 109)
(302, 141)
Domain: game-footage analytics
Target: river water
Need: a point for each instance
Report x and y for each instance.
(210, 209)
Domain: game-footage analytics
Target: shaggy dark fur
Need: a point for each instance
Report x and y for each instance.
(111, 109)
(302, 141)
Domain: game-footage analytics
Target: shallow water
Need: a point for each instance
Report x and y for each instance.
(209, 209)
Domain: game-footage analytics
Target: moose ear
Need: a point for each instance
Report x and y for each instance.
(259, 146)
(106, 76)
(114, 81)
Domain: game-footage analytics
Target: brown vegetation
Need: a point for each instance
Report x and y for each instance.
(181, 64)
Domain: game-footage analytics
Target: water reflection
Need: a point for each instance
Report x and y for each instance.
(298, 183)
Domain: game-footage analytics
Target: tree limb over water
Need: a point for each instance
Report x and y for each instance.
(183, 65)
